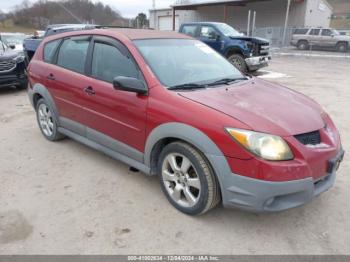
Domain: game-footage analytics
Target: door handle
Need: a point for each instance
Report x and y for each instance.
(51, 77)
(89, 90)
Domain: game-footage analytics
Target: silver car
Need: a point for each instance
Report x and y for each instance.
(304, 38)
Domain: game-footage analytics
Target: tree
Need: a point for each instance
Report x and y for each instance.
(141, 21)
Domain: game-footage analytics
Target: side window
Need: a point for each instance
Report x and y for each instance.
(208, 32)
(108, 62)
(72, 54)
(49, 50)
(190, 30)
(301, 31)
(315, 32)
(326, 32)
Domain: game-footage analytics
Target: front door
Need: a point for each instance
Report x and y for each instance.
(115, 118)
(210, 36)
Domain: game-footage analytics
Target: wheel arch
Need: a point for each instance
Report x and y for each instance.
(40, 91)
(233, 50)
(170, 132)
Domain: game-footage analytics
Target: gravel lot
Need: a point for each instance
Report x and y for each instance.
(64, 198)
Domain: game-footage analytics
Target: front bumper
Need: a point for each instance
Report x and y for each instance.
(257, 62)
(14, 77)
(266, 196)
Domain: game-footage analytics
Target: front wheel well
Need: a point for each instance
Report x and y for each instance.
(233, 51)
(342, 42)
(36, 98)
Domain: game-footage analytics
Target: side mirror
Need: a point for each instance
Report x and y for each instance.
(12, 46)
(332, 35)
(129, 84)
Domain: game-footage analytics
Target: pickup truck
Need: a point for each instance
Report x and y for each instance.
(31, 44)
(248, 54)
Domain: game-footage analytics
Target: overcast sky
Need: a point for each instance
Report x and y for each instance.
(128, 8)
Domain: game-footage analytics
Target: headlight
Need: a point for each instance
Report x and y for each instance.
(19, 59)
(266, 146)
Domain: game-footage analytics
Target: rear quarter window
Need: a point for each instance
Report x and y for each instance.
(50, 49)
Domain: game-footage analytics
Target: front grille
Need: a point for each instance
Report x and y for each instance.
(264, 49)
(7, 65)
(312, 138)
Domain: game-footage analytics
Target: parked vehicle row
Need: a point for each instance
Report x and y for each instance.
(169, 105)
(304, 38)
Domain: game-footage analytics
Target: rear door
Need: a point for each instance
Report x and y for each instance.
(115, 118)
(67, 81)
(209, 35)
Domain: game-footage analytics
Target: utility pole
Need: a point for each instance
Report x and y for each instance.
(248, 23)
(253, 25)
(286, 24)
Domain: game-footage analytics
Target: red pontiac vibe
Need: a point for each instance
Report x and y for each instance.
(169, 105)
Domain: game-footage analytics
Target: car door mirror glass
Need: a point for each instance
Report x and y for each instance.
(129, 84)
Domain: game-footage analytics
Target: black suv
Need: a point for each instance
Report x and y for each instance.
(12, 67)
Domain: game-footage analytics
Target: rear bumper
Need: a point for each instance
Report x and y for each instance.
(257, 62)
(266, 196)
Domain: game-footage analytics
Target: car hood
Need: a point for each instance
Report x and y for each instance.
(264, 106)
(8, 54)
(343, 38)
(256, 40)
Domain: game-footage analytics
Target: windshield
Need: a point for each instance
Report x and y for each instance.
(16, 39)
(335, 32)
(227, 30)
(181, 61)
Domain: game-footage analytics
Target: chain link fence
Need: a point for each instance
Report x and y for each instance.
(275, 35)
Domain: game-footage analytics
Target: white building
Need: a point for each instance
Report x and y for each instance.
(270, 15)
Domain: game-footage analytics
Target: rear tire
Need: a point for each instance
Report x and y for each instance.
(303, 45)
(187, 179)
(238, 61)
(47, 121)
(342, 47)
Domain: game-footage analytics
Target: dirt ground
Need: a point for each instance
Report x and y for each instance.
(65, 198)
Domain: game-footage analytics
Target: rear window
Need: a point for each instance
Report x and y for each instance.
(301, 31)
(315, 31)
(49, 50)
(190, 30)
(72, 54)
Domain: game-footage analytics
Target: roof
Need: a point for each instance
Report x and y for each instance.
(129, 33)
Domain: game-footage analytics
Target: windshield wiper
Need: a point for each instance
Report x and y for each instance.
(226, 81)
(187, 86)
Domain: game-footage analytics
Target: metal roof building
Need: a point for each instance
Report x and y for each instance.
(273, 14)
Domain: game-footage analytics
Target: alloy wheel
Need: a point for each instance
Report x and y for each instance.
(45, 120)
(181, 180)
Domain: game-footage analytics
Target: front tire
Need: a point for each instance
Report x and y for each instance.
(238, 61)
(47, 121)
(342, 47)
(187, 179)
